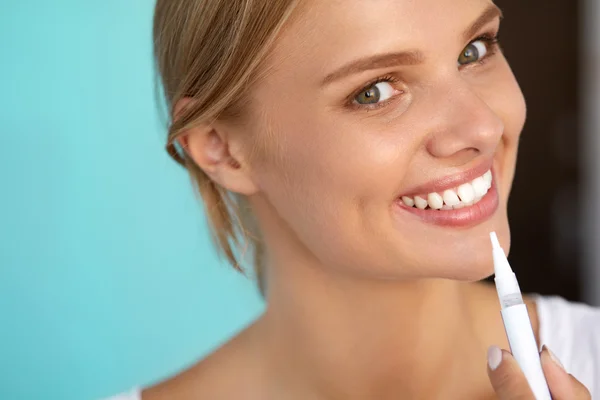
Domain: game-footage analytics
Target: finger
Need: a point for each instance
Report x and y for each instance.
(562, 385)
(506, 377)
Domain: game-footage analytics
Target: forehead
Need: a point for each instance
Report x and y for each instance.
(325, 33)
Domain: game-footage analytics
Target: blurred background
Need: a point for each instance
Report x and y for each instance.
(107, 275)
(552, 46)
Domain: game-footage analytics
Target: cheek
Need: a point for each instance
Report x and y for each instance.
(506, 99)
(515, 112)
(350, 163)
(332, 182)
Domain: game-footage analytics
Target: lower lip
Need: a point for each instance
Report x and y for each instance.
(463, 217)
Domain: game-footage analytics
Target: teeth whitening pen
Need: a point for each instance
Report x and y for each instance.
(517, 324)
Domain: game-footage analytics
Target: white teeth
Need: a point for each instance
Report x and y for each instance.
(487, 177)
(435, 201)
(451, 198)
(420, 202)
(408, 201)
(466, 193)
(480, 187)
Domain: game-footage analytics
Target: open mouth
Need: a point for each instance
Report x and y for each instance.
(459, 201)
(464, 195)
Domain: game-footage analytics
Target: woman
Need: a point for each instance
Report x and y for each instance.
(363, 150)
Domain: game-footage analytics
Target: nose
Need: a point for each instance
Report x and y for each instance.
(463, 126)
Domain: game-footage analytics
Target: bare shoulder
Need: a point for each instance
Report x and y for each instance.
(232, 371)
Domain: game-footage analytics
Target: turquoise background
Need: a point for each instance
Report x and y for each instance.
(108, 278)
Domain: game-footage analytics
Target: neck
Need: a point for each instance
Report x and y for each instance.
(352, 338)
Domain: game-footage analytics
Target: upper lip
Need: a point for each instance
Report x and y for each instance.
(450, 181)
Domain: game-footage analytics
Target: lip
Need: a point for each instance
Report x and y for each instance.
(463, 217)
(450, 182)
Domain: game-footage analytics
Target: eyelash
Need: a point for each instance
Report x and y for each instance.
(493, 44)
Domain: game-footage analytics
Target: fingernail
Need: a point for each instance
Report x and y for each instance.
(494, 357)
(554, 358)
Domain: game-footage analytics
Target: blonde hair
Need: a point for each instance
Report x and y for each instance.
(211, 51)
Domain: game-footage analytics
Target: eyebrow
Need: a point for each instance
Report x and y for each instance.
(490, 14)
(413, 57)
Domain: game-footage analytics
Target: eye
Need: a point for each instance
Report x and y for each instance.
(475, 51)
(376, 93)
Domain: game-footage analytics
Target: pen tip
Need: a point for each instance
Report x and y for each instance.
(494, 239)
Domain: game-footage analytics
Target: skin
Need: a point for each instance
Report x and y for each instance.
(366, 300)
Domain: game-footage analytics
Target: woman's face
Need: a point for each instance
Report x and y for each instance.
(380, 113)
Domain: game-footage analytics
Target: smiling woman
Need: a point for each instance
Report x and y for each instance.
(366, 150)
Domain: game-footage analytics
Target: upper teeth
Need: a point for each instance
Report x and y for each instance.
(466, 194)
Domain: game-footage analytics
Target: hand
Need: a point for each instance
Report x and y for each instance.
(510, 384)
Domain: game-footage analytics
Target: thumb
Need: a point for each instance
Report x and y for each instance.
(563, 386)
(506, 376)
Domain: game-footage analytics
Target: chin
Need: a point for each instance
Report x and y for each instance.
(472, 272)
(442, 252)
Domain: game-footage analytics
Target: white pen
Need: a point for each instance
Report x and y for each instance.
(517, 324)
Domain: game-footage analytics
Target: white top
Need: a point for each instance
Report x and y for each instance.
(570, 330)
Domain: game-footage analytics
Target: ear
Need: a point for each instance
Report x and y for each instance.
(208, 145)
